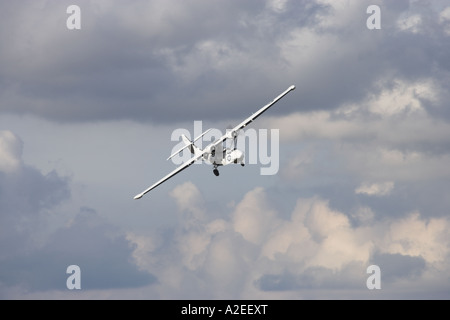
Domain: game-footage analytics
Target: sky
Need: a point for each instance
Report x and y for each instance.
(86, 123)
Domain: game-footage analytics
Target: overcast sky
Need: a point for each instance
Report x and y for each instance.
(86, 118)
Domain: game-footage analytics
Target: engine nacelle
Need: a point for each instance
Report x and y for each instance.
(234, 156)
(232, 134)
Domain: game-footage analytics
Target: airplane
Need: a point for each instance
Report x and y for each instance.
(214, 152)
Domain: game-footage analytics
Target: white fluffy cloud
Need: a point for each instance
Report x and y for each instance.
(257, 250)
(253, 218)
(410, 23)
(389, 137)
(376, 189)
(189, 200)
(10, 151)
(444, 19)
(415, 236)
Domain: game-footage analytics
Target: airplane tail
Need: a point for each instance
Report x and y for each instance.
(190, 144)
(192, 147)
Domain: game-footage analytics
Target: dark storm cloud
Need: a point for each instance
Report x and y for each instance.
(34, 261)
(116, 66)
(165, 61)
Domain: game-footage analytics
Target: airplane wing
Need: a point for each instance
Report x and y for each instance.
(229, 134)
(170, 175)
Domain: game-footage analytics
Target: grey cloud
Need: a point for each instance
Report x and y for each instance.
(397, 266)
(426, 195)
(111, 69)
(146, 63)
(289, 258)
(350, 277)
(103, 255)
(35, 259)
(393, 267)
(26, 195)
(28, 191)
(179, 61)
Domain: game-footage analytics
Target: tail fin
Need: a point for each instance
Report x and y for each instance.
(190, 144)
(192, 147)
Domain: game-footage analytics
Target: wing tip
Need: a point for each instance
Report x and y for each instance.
(140, 195)
(292, 87)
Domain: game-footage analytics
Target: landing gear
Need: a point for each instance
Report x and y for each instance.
(215, 171)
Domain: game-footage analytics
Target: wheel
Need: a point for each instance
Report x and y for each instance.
(216, 172)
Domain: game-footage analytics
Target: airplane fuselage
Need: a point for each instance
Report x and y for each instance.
(224, 157)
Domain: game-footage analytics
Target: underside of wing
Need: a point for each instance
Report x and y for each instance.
(232, 132)
(170, 175)
(262, 110)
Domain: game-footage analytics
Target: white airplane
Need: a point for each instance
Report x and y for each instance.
(214, 153)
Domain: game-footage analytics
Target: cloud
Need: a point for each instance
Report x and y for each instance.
(26, 196)
(34, 255)
(444, 19)
(418, 237)
(376, 189)
(103, 255)
(313, 278)
(395, 266)
(390, 138)
(253, 217)
(11, 151)
(127, 62)
(25, 193)
(326, 234)
(86, 75)
(314, 248)
(337, 257)
(189, 200)
(363, 150)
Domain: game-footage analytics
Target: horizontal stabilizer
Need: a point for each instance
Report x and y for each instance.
(187, 145)
(202, 135)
